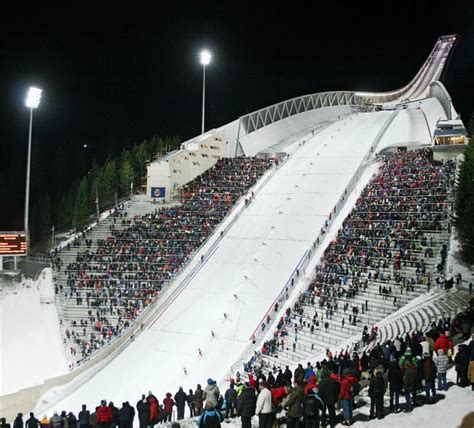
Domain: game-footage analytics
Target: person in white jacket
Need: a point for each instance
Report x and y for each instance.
(264, 406)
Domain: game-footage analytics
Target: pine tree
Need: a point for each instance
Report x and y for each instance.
(464, 204)
(82, 207)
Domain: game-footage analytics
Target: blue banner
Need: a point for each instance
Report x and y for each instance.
(158, 192)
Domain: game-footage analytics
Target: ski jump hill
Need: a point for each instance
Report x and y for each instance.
(260, 255)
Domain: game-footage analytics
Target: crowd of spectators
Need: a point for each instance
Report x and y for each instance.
(412, 368)
(127, 271)
(385, 248)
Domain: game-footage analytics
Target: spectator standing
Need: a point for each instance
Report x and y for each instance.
(143, 410)
(18, 422)
(395, 381)
(246, 404)
(429, 376)
(168, 404)
(199, 399)
(152, 403)
(84, 416)
(180, 398)
(347, 382)
(32, 422)
(191, 403)
(329, 392)
(231, 400)
(294, 405)
(126, 415)
(211, 418)
(103, 415)
(263, 407)
(376, 392)
(441, 362)
(313, 408)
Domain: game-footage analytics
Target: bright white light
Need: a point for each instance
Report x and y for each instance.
(205, 57)
(33, 98)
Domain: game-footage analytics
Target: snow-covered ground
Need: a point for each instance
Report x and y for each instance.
(32, 348)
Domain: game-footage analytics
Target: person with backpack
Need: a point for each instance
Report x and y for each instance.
(376, 393)
(329, 391)
(293, 406)
(313, 409)
(263, 407)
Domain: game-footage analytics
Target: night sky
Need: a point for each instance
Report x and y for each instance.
(115, 76)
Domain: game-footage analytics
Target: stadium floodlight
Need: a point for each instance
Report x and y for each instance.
(32, 101)
(204, 58)
(33, 98)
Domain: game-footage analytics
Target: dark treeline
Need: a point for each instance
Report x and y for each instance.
(108, 181)
(464, 218)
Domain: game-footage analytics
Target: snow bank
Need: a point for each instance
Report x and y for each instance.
(30, 354)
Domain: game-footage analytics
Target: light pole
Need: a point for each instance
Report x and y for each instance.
(205, 59)
(32, 101)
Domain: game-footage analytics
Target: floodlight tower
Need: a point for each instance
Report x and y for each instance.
(32, 101)
(204, 58)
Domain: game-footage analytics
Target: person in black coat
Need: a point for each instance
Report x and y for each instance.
(230, 399)
(246, 404)
(280, 379)
(32, 422)
(84, 417)
(18, 422)
(328, 390)
(180, 399)
(71, 420)
(3, 423)
(376, 393)
(143, 412)
(126, 415)
(395, 382)
(115, 415)
(288, 375)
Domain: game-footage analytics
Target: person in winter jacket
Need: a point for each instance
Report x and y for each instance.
(299, 374)
(409, 384)
(103, 414)
(252, 381)
(126, 415)
(441, 362)
(55, 421)
(313, 408)
(263, 407)
(168, 404)
(329, 391)
(211, 393)
(293, 406)
(84, 416)
(115, 415)
(231, 401)
(44, 422)
(443, 343)
(395, 381)
(246, 404)
(376, 392)
(180, 399)
(18, 422)
(71, 420)
(407, 357)
(3, 423)
(191, 403)
(211, 418)
(311, 384)
(347, 383)
(64, 421)
(152, 403)
(32, 422)
(143, 410)
(461, 363)
(429, 376)
(198, 400)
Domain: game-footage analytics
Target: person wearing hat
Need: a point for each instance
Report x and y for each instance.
(211, 418)
(211, 392)
(168, 404)
(44, 422)
(180, 399)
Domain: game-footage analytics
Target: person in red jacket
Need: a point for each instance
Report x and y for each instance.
(103, 414)
(153, 406)
(310, 385)
(278, 394)
(443, 343)
(252, 381)
(168, 404)
(345, 397)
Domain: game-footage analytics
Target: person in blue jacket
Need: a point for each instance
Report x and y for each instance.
(211, 418)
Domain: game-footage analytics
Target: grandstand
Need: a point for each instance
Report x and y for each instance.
(254, 236)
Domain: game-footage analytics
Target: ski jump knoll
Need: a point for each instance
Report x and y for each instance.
(255, 258)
